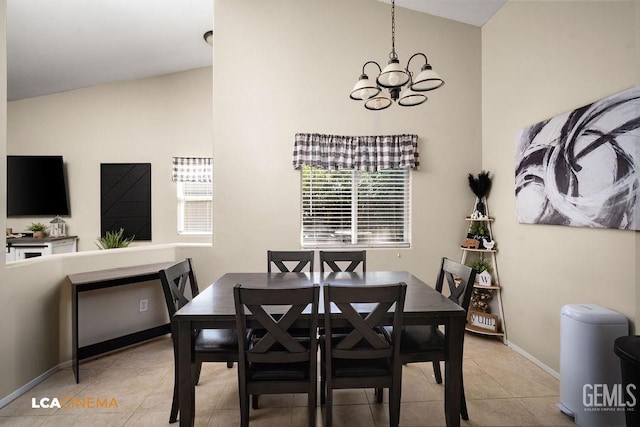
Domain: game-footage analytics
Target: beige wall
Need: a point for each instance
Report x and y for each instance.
(286, 66)
(146, 121)
(540, 59)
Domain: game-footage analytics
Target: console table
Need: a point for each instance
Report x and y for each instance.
(92, 280)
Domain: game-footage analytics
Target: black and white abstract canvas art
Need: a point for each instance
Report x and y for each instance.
(582, 168)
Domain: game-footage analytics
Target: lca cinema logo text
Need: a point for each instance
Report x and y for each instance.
(609, 397)
(74, 402)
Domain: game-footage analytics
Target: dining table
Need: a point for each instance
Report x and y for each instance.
(214, 308)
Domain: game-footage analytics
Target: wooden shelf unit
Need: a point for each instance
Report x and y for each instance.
(495, 288)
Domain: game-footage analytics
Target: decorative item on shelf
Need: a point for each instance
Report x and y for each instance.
(479, 231)
(484, 278)
(114, 239)
(477, 215)
(38, 229)
(485, 321)
(480, 187)
(470, 243)
(393, 78)
(488, 244)
(478, 228)
(483, 267)
(480, 299)
(58, 227)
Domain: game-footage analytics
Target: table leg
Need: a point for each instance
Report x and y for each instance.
(74, 333)
(453, 370)
(186, 390)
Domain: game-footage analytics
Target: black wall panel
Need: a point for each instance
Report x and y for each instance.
(125, 199)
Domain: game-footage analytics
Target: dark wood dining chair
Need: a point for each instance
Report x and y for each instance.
(366, 357)
(427, 343)
(279, 258)
(337, 260)
(211, 345)
(287, 262)
(275, 361)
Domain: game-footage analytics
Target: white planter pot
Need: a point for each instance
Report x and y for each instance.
(484, 278)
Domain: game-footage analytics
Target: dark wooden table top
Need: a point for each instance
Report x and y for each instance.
(421, 299)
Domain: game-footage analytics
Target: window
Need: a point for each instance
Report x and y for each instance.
(195, 207)
(355, 208)
(194, 179)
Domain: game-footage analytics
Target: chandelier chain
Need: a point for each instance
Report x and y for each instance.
(392, 54)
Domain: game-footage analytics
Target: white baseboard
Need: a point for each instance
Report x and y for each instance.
(31, 384)
(535, 361)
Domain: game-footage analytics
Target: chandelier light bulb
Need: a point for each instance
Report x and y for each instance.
(363, 94)
(393, 75)
(379, 102)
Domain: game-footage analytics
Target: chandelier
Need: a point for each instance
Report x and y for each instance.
(394, 78)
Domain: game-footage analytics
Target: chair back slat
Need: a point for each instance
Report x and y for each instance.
(276, 344)
(276, 329)
(363, 327)
(459, 279)
(301, 259)
(354, 258)
(365, 340)
(175, 280)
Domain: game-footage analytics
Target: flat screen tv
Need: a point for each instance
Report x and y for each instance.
(36, 186)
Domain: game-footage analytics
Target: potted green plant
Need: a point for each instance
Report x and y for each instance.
(480, 265)
(114, 239)
(38, 229)
(478, 228)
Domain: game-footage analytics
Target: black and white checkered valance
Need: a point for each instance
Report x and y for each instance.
(192, 169)
(364, 153)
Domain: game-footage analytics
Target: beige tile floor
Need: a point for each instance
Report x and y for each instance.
(502, 388)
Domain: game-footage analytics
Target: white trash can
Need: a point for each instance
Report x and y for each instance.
(590, 379)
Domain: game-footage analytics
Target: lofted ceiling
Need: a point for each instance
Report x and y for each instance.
(473, 12)
(61, 45)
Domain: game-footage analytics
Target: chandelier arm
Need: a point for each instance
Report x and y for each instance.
(371, 62)
(426, 61)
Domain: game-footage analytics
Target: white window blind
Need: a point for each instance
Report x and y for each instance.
(195, 207)
(194, 177)
(354, 208)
